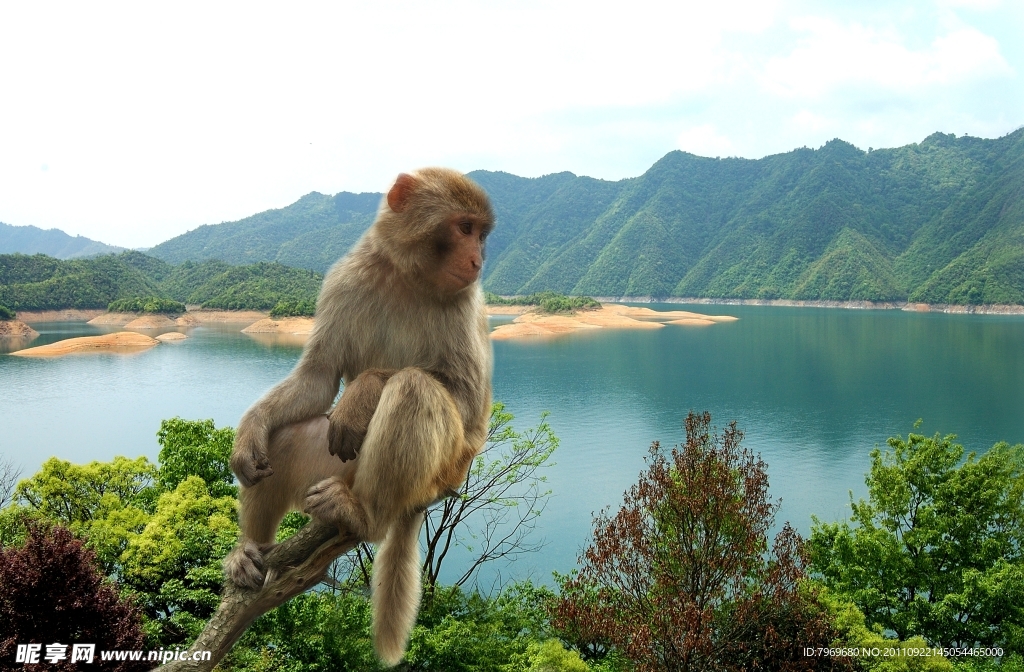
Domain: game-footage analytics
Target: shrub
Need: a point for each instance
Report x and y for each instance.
(51, 591)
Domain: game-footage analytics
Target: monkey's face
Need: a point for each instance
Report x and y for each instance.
(459, 247)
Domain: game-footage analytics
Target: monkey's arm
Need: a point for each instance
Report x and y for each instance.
(351, 416)
(306, 392)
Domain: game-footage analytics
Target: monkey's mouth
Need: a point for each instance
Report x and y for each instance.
(463, 281)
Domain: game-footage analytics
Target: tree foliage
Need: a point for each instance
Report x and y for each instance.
(299, 308)
(548, 302)
(134, 282)
(680, 578)
(196, 448)
(160, 531)
(106, 503)
(51, 591)
(6, 313)
(150, 304)
(937, 549)
(174, 563)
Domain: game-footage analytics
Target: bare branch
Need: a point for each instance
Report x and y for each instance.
(9, 474)
(498, 504)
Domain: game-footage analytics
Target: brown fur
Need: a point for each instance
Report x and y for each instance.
(401, 320)
(351, 415)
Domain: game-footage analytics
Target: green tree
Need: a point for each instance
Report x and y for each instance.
(196, 448)
(150, 304)
(853, 631)
(938, 548)
(301, 307)
(173, 565)
(106, 503)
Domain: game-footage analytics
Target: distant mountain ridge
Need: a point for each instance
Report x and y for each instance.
(51, 242)
(39, 282)
(311, 233)
(940, 221)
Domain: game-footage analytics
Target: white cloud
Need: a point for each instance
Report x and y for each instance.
(154, 119)
(831, 55)
(705, 140)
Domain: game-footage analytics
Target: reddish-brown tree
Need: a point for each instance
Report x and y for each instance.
(52, 592)
(680, 578)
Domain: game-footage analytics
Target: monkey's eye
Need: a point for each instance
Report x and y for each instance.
(466, 227)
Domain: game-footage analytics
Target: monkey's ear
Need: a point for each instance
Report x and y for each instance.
(399, 195)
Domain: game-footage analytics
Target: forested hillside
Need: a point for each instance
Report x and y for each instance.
(941, 221)
(310, 233)
(39, 282)
(52, 242)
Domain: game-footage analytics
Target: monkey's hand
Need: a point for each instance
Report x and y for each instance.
(249, 458)
(344, 440)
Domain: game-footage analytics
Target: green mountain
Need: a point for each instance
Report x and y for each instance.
(940, 221)
(52, 242)
(39, 282)
(311, 233)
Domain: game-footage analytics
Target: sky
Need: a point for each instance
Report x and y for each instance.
(131, 123)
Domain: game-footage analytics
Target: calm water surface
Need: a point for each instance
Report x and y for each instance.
(814, 390)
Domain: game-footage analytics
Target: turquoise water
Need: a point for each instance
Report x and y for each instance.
(814, 390)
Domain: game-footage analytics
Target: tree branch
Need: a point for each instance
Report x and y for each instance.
(292, 568)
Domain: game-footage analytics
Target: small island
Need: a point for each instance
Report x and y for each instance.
(171, 336)
(122, 342)
(283, 325)
(537, 322)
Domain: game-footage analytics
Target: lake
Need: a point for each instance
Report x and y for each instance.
(813, 389)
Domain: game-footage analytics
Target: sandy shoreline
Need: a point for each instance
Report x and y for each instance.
(67, 315)
(198, 316)
(993, 309)
(508, 310)
(190, 318)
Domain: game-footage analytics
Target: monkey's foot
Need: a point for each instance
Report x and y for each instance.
(243, 566)
(344, 442)
(332, 501)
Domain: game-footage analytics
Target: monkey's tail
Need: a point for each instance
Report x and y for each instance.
(396, 588)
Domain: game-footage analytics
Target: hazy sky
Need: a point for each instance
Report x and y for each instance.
(132, 123)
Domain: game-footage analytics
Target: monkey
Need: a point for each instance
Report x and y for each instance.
(401, 321)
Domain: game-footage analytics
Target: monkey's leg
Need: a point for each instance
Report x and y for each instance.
(300, 451)
(410, 444)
